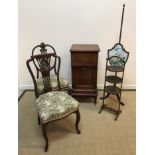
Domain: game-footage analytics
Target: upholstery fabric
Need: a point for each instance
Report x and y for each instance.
(54, 84)
(55, 105)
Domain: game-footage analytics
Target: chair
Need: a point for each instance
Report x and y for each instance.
(46, 48)
(117, 58)
(51, 105)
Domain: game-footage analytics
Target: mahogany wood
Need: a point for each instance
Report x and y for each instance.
(44, 49)
(43, 64)
(112, 88)
(84, 61)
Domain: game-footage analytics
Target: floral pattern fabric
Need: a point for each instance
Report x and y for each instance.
(55, 105)
(54, 83)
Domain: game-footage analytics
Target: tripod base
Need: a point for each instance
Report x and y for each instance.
(105, 107)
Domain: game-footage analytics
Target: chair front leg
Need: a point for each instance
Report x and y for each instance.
(77, 121)
(38, 120)
(44, 126)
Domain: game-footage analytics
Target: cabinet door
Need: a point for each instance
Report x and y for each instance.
(83, 77)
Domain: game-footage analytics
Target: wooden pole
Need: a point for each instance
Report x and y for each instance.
(121, 24)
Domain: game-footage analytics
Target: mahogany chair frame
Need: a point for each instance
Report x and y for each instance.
(43, 59)
(43, 50)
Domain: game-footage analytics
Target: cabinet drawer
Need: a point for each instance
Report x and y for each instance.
(84, 59)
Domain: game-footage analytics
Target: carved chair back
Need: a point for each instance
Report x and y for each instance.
(43, 49)
(44, 64)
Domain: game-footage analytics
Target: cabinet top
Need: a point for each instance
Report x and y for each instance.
(85, 48)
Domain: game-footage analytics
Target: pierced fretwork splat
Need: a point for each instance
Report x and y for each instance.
(44, 67)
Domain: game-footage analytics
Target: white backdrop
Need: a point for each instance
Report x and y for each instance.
(64, 22)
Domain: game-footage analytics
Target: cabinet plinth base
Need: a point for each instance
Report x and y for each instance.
(84, 93)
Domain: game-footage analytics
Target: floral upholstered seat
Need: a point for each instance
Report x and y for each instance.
(54, 83)
(55, 105)
(51, 105)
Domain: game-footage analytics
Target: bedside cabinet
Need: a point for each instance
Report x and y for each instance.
(84, 61)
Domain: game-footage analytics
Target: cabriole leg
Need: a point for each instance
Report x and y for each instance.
(119, 98)
(102, 103)
(44, 126)
(77, 121)
(119, 111)
(38, 120)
